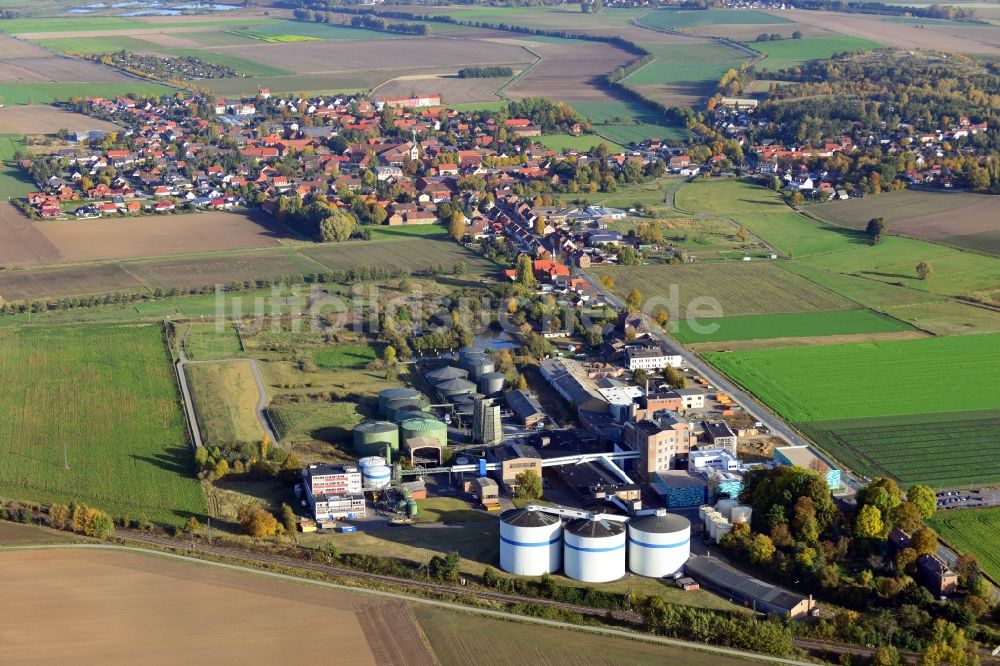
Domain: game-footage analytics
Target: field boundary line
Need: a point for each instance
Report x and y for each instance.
(502, 90)
(606, 631)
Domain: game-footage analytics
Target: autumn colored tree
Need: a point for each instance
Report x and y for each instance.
(924, 499)
(869, 522)
(256, 521)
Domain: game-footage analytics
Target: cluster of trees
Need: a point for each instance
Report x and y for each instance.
(878, 229)
(317, 219)
(82, 519)
(375, 23)
(947, 12)
(549, 116)
(173, 70)
(774, 37)
(492, 72)
(258, 459)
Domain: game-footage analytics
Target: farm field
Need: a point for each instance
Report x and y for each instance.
(975, 532)
(47, 92)
(86, 45)
(697, 61)
(109, 395)
(795, 235)
(451, 88)
(208, 609)
(16, 534)
(83, 24)
(728, 197)
(345, 357)
(585, 142)
(960, 219)
(940, 450)
(13, 181)
(886, 378)
(448, 631)
(795, 325)
(682, 19)
(870, 293)
(639, 132)
(948, 317)
(413, 254)
(44, 119)
(242, 65)
(794, 52)
(740, 288)
(225, 397)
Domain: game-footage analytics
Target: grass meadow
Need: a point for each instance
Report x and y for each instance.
(561, 142)
(976, 532)
(48, 92)
(792, 325)
(344, 357)
(677, 63)
(108, 395)
(681, 19)
(225, 397)
(786, 53)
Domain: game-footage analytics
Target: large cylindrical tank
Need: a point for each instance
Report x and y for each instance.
(385, 395)
(455, 387)
(530, 542)
(371, 437)
(701, 511)
(491, 383)
(740, 514)
(658, 545)
(401, 404)
(721, 530)
(480, 366)
(411, 508)
(594, 550)
(713, 526)
(725, 507)
(710, 514)
(406, 414)
(375, 473)
(424, 427)
(446, 373)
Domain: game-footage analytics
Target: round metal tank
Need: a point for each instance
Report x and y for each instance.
(374, 477)
(594, 550)
(530, 542)
(481, 366)
(740, 514)
(491, 383)
(446, 373)
(709, 515)
(424, 427)
(399, 393)
(411, 508)
(406, 414)
(371, 438)
(400, 405)
(721, 530)
(468, 359)
(455, 387)
(725, 507)
(701, 511)
(658, 545)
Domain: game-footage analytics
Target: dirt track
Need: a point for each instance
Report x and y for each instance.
(105, 607)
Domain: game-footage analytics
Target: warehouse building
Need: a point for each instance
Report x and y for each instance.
(515, 459)
(720, 435)
(592, 482)
(752, 593)
(527, 410)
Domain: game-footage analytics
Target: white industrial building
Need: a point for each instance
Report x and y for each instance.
(334, 491)
(653, 357)
(708, 459)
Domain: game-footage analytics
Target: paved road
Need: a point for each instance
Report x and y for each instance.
(262, 398)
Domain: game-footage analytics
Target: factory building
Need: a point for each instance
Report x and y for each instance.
(527, 410)
(720, 435)
(486, 426)
(680, 488)
(592, 482)
(722, 579)
(651, 356)
(571, 381)
(663, 443)
(704, 460)
(515, 459)
(334, 491)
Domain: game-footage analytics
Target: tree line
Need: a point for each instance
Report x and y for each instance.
(494, 72)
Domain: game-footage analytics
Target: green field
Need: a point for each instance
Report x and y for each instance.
(84, 23)
(210, 341)
(867, 292)
(317, 31)
(677, 63)
(728, 197)
(272, 37)
(883, 378)
(344, 357)
(582, 143)
(976, 532)
(225, 397)
(305, 83)
(941, 450)
(241, 65)
(794, 325)
(84, 45)
(108, 395)
(948, 317)
(13, 181)
(739, 288)
(795, 235)
(402, 232)
(626, 134)
(786, 53)
(48, 92)
(417, 254)
(680, 19)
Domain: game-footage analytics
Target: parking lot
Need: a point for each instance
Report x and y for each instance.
(967, 499)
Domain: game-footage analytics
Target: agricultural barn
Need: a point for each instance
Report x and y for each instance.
(743, 589)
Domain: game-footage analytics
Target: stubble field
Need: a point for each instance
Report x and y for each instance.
(107, 395)
(45, 119)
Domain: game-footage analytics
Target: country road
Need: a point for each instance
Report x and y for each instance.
(262, 399)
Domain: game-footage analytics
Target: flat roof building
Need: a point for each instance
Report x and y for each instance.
(526, 408)
(744, 589)
(810, 458)
(663, 441)
(515, 459)
(720, 435)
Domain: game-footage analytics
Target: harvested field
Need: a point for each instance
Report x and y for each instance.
(809, 341)
(21, 242)
(384, 54)
(890, 33)
(453, 89)
(68, 606)
(26, 285)
(393, 634)
(44, 119)
(57, 68)
(202, 272)
(965, 220)
(939, 450)
(16, 49)
(687, 19)
(739, 288)
(570, 70)
(15, 534)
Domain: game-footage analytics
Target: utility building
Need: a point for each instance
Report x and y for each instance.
(486, 427)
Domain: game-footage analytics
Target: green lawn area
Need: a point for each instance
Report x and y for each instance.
(884, 378)
(582, 143)
(48, 92)
(792, 325)
(344, 357)
(225, 397)
(870, 293)
(974, 531)
(794, 52)
(13, 181)
(674, 19)
(108, 395)
(84, 45)
(677, 63)
(402, 232)
(728, 197)
(626, 134)
(797, 236)
(450, 510)
(210, 341)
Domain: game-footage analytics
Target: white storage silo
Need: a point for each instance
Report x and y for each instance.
(710, 514)
(701, 512)
(721, 530)
(594, 550)
(375, 473)
(658, 545)
(725, 507)
(530, 542)
(740, 514)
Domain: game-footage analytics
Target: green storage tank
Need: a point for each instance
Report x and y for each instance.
(400, 393)
(371, 438)
(425, 427)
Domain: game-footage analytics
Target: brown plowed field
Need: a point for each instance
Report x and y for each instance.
(57, 68)
(392, 634)
(44, 119)
(121, 608)
(573, 71)
(453, 89)
(382, 54)
(25, 242)
(13, 49)
(69, 281)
